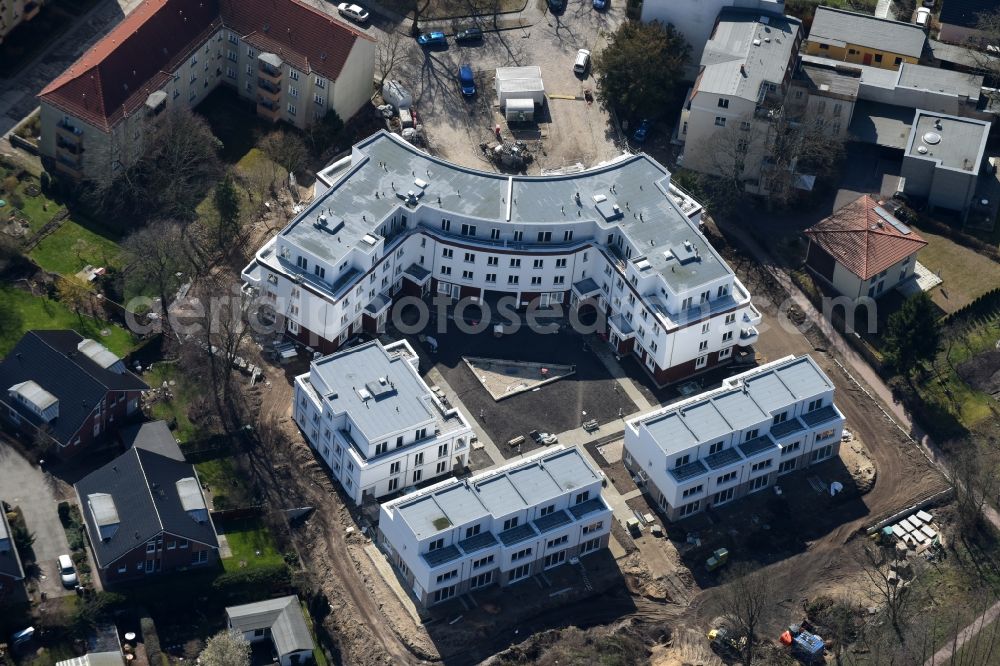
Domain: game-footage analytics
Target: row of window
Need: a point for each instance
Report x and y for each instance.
(471, 231)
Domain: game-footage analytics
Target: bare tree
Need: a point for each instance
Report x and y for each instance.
(74, 293)
(154, 255)
(390, 53)
(745, 599)
(976, 481)
(286, 149)
(226, 648)
(885, 585)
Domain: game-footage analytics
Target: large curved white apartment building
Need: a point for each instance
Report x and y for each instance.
(395, 220)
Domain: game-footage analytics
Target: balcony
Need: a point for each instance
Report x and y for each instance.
(269, 110)
(748, 335)
(270, 73)
(73, 148)
(70, 132)
(753, 317)
(268, 89)
(71, 168)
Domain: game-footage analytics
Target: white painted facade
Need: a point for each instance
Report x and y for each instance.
(369, 466)
(497, 527)
(756, 433)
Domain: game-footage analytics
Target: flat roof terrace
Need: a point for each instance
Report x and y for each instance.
(956, 143)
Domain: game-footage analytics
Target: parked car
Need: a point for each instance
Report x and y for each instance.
(435, 38)
(466, 81)
(642, 131)
(582, 61)
(353, 12)
(22, 637)
(67, 572)
(557, 5)
(601, 5)
(469, 35)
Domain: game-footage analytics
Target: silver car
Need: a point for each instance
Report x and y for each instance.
(67, 572)
(353, 12)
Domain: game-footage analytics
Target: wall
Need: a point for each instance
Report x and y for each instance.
(861, 55)
(354, 87)
(165, 559)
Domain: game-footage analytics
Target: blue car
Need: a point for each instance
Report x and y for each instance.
(642, 132)
(432, 39)
(557, 5)
(466, 81)
(601, 5)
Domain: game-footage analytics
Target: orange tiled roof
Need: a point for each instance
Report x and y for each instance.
(116, 75)
(862, 240)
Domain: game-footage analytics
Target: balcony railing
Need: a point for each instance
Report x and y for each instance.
(271, 73)
(268, 86)
(70, 131)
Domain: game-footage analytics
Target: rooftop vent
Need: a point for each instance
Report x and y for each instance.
(421, 183)
(598, 198)
(932, 138)
(922, 150)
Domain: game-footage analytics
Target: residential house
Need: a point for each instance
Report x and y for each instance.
(11, 570)
(862, 250)
(94, 659)
(824, 96)
(374, 421)
(848, 36)
(15, 12)
(146, 514)
(743, 79)
(718, 446)
(959, 19)
(154, 436)
(294, 62)
(944, 159)
(392, 221)
(499, 527)
(67, 389)
(279, 622)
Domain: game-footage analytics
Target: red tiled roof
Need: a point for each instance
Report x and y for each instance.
(117, 74)
(862, 240)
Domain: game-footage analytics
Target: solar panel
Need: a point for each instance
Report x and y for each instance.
(891, 219)
(688, 471)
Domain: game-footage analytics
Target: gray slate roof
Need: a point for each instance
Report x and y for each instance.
(50, 359)
(153, 436)
(143, 487)
(744, 52)
(283, 616)
(881, 124)
(94, 659)
(840, 27)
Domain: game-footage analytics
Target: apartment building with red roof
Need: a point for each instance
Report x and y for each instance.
(862, 249)
(293, 62)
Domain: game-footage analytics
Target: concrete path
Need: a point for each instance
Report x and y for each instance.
(435, 377)
(31, 489)
(942, 656)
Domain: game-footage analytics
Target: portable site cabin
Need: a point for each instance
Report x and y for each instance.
(520, 83)
(519, 110)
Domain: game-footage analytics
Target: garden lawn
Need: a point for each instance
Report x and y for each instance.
(73, 246)
(246, 539)
(225, 484)
(20, 312)
(966, 273)
(175, 410)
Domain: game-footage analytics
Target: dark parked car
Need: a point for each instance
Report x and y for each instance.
(466, 81)
(557, 5)
(642, 132)
(432, 39)
(469, 35)
(601, 5)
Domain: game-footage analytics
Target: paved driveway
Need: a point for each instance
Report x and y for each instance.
(26, 486)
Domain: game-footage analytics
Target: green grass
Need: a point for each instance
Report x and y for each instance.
(966, 273)
(983, 648)
(20, 312)
(318, 655)
(220, 475)
(176, 409)
(73, 246)
(246, 539)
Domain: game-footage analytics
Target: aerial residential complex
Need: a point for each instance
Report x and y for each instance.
(501, 526)
(718, 446)
(618, 237)
(374, 421)
(15, 12)
(295, 62)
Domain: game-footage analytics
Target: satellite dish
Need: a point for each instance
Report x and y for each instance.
(922, 150)
(932, 138)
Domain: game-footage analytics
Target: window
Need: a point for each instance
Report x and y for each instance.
(723, 496)
(515, 263)
(751, 434)
(590, 546)
(293, 91)
(838, 107)
(512, 279)
(705, 327)
(555, 559)
(445, 225)
(536, 281)
(690, 492)
(468, 230)
(393, 484)
(790, 448)
(437, 544)
(320, 271)
(448, 575)
(200, 557)
(470, 257)
(725, 478)
(582, 497)
(442, 450)
(417, 475)
(568, 236)
(484, 562)
(466, 275)
(553, 543)
(878, 57)
(546, 510)
(292, 110)
(444, 593)
(700, 362)
(481, 580)
(593, 527)
(727, 336)
(559, 279)
(763, 464)
(758, 483)
(151, 547)
(446, 270)
(703, 345)
(720, 121)
(447, 253)
(320, 82)
(381, 448)
(682, 460)
(293, 75)
(510, 523)
(723, 103)
(722, 291)
(521, 554)
(824, 47)
(821, 453)
(183, 543)
(715, 448)
(472, 531)
(538, 263)
(780, 418)
(814, 405)
(825, 435)
(258, 633)
(319, 99)
(544, 236)
(686, 303)
(518, 236)
(518, 573)
(786, 466)
(688, 509)
(494, 234)
(730, 318)
(492, 261)
(250, 53)
(491, 277)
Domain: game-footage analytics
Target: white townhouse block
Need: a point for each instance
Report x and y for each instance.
(498, 527)
(374, 421)
(737, 439)
(391, 220)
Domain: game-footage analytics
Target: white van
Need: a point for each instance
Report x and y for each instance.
(582, 61)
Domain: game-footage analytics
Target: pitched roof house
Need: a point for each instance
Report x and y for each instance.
(70, 387)
(146, 513)
(279, 620)
(862, 249)
(11, 571)
(861, 38)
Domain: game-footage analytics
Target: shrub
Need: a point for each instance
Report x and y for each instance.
(74, 536)
(150, 639)
(10, 184)
(16, 201)
(64, 514)
(261, 580)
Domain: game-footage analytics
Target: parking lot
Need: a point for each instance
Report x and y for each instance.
(568, 131)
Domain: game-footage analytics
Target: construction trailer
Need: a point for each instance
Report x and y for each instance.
(520, 83)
